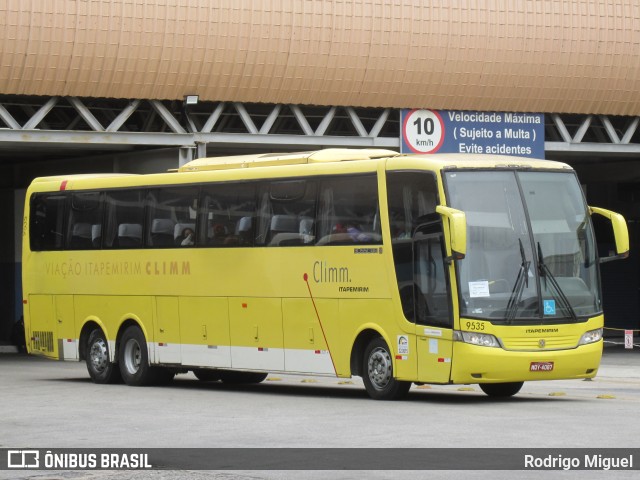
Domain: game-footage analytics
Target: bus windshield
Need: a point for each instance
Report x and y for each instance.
(531, 253)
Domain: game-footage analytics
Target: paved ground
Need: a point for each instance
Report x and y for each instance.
(47, 404)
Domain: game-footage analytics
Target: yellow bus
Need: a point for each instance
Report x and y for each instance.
(401, 269)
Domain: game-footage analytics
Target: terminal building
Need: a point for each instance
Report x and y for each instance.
(140, 86)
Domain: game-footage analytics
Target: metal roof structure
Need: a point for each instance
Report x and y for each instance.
(84, 77)
(67, 123)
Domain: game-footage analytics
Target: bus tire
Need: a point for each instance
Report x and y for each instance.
(377, 373)
(229, 376)
(207, 375)
(101, 370)
(133, 358)
(501, 390)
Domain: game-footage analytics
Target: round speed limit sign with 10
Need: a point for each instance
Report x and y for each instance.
(423, 131)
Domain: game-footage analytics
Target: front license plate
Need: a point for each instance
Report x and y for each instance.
(541, 366)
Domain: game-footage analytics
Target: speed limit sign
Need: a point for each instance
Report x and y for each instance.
(423, 131)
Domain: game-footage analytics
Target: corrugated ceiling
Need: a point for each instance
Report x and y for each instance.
(575, 56)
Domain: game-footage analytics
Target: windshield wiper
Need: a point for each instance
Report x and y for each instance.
(545, 272)
(518, 287)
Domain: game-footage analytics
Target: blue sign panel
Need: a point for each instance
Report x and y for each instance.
(459, 131)
(549, 307)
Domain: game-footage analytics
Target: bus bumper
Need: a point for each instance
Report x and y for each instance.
(476, 364)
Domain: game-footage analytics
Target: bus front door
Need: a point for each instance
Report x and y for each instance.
(432, 305)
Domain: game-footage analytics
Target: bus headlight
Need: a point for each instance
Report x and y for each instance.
(474, 338)
(591, 336)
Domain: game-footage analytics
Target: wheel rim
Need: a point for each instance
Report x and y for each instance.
(132, 356)
(379, 368)
(99, 355)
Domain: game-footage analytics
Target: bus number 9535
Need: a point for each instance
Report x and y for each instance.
(475, 326)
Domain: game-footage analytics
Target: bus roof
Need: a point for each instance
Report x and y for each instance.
(297, 158)
(344, 159)
(80, 176)
(453, 160)
(470, 160)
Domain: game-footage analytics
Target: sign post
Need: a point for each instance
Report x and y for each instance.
(628, 339)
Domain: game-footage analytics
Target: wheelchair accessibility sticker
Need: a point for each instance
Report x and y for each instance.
(549, 307)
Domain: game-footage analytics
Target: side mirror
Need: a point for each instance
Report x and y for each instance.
(620, 232)
(457, 230)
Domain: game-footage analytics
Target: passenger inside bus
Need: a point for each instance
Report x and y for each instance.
(184, 234)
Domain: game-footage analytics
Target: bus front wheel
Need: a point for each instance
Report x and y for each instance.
(134, 361)
(377, 373)
(501, 389)
(101, 370)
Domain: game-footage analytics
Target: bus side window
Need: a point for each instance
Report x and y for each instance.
(47, 222)
(125, 218)
(84, 215)
(171, 220)
(227, 216)
(349, 211)
(410, 195)
(287, 213)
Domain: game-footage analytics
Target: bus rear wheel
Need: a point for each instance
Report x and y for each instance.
(134, 361)
(100, 368)
(501, 390)
(377, 373)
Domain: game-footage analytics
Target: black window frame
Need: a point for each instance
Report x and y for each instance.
(147, 201)
(94, 243)
(39, 246)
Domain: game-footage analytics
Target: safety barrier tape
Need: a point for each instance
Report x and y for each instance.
(626, 330)
(618, 343)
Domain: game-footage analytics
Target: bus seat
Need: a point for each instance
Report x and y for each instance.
(81, 236)
(306, 229)
(178, 230)
(243, 232)
(162, 232)
(244, 225)
(284, 224)
(129, 235)
(284, 230)
(96, 235)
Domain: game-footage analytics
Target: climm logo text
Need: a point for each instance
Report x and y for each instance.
(323, 272)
